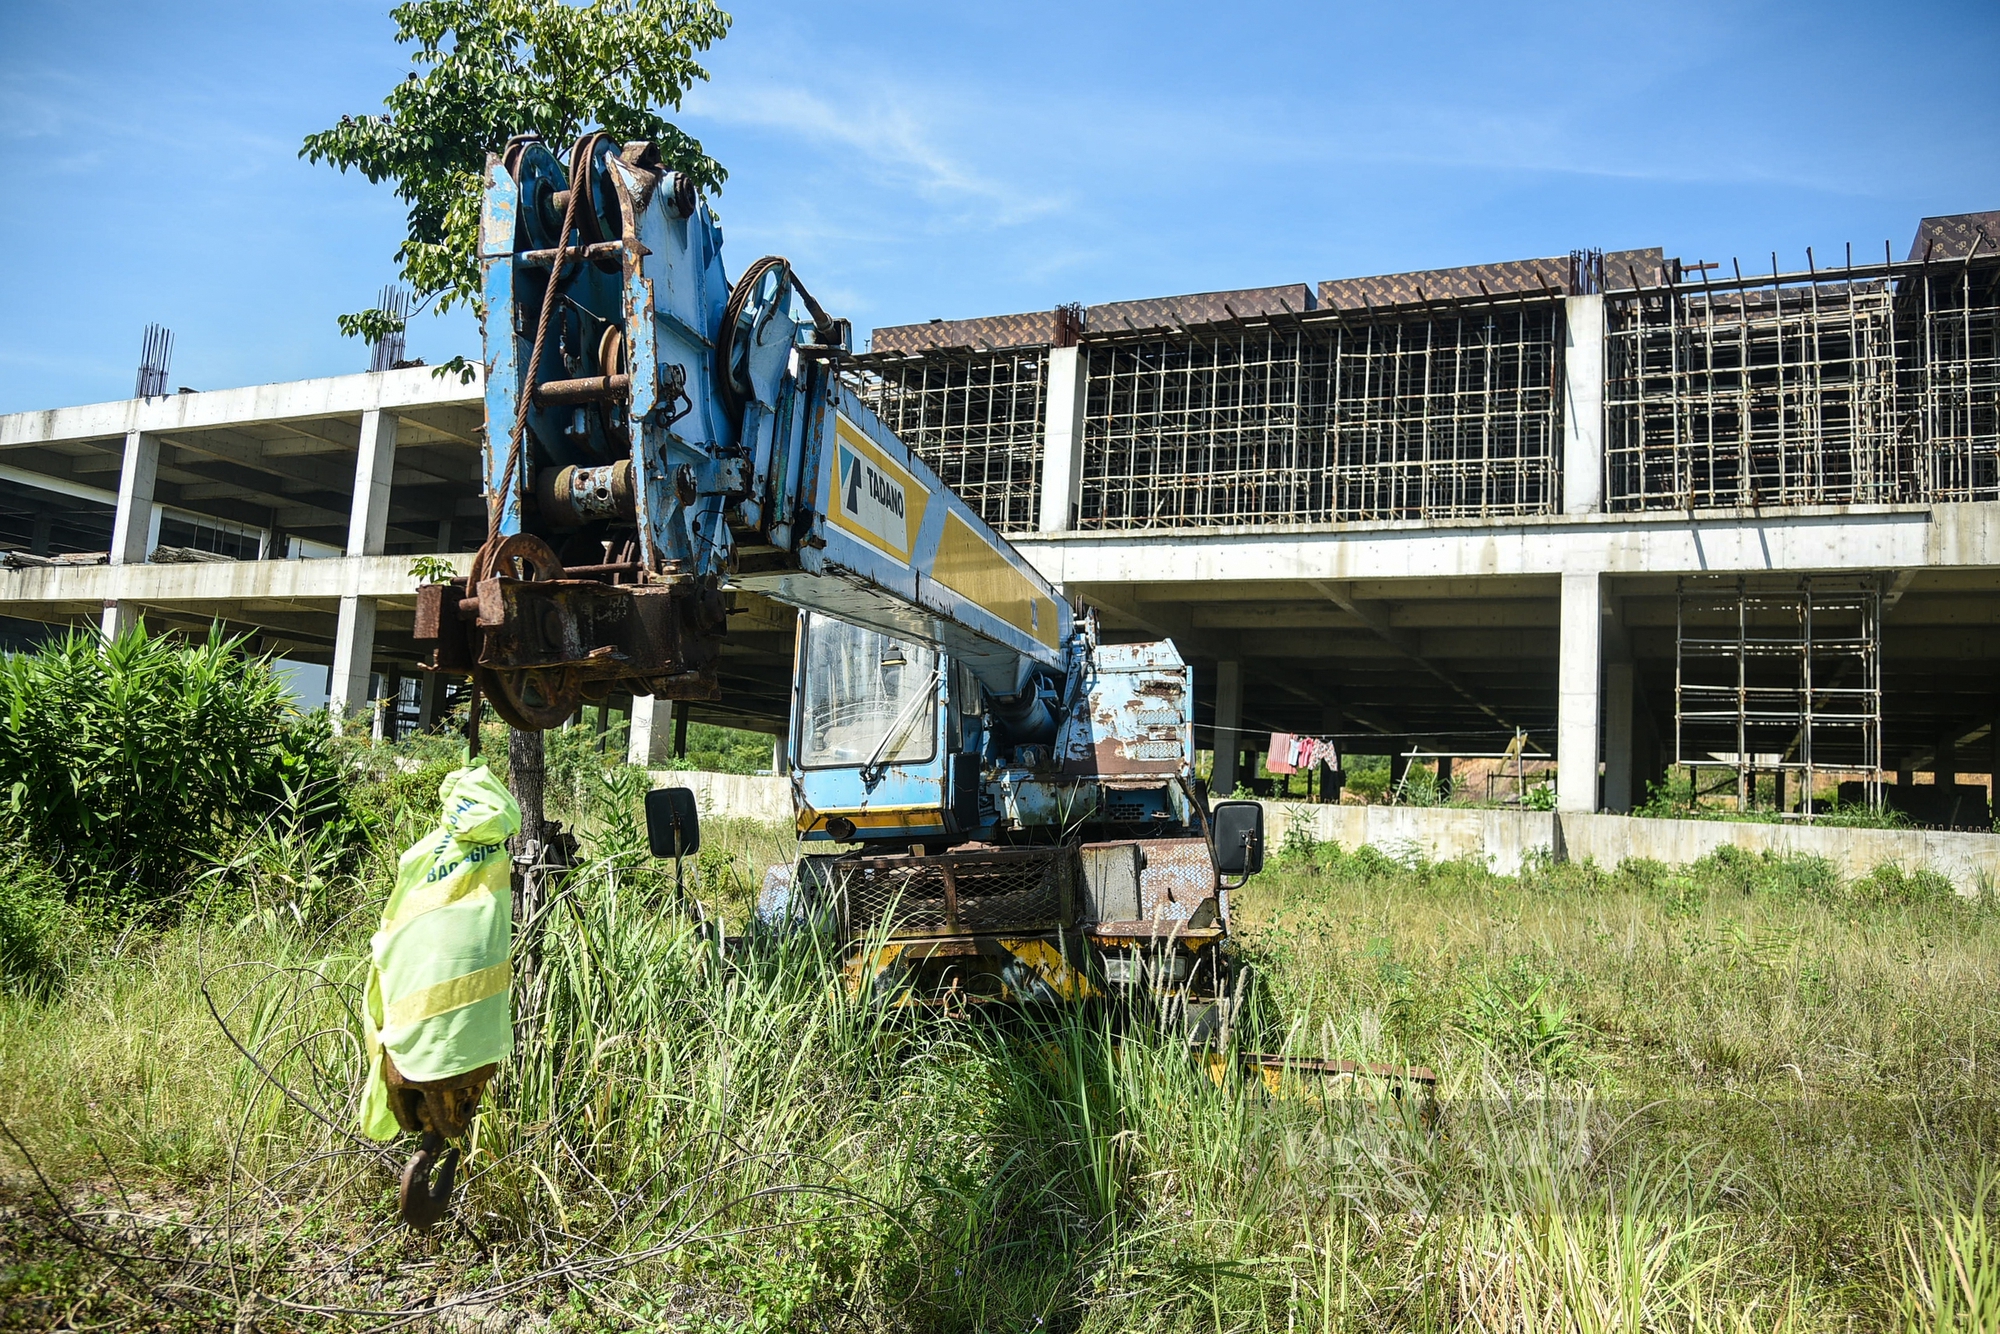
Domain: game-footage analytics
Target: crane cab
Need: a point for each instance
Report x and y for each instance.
(1046, 846)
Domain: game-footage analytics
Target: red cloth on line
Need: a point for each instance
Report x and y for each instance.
(1278, 759)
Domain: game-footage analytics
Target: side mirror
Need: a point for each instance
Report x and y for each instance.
(673, 824)
(1239, 837)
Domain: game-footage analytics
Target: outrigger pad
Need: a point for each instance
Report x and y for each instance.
(673, 824)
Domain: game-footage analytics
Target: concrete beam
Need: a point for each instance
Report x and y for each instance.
(1231, 561)
(220, 581)
(1376, 618)
(58, 485)
(295, 400)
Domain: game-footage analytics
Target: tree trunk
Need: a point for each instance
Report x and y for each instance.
(525, 774)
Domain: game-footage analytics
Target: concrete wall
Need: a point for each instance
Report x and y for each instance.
(1970, 861)
(1504, 839)
(733, 796)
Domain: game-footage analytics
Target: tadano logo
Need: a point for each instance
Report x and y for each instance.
(880, 489)
(875, 499)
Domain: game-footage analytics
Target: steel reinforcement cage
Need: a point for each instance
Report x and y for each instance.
(1454, 413)
(977, 418)
(1857, 385)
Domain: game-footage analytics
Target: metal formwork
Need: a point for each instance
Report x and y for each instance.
(1777, 679)
(977, 418)
(1858, 385)
(1452, 414)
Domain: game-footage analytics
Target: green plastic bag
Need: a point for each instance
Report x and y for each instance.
(439, 998)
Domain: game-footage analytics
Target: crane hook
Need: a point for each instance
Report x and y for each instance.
(422, 1204)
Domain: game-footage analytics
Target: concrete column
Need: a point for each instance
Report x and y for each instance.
(1228, 727)
(1062, 438)
(367, 530)
(374, 466)
(133, 523)
(1577, 693)
(1944, 769)
(780, 757)
(650, 741)
(353, 659)
(1583, 404)
(1618, 745)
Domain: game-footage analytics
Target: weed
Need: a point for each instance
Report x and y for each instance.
(1514, 1017)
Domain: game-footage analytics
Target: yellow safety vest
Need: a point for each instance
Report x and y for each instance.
(438, 988)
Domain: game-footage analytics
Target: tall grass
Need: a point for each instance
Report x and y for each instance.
(1744, 1095)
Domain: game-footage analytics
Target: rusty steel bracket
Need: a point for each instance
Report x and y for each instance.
(540, 647)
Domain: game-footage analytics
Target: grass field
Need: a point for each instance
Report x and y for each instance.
(1744, 1095)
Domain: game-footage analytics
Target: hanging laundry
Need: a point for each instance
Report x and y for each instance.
(1278, 756)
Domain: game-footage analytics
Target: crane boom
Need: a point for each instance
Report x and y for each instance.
(656, 433)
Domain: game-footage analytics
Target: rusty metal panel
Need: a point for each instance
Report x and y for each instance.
(1954, 235)
(1036, 328)
(1176, 880)
(963, 891)
(1164, 312)
(1134, 715)
(1474, 280)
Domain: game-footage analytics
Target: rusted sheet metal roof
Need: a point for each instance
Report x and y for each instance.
(1035, 328)
(1162, 312)
(1043, 328)
(1954, 235)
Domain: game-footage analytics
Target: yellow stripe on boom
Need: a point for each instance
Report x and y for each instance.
(973, 568)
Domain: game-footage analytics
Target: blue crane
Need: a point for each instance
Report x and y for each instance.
(997, 800)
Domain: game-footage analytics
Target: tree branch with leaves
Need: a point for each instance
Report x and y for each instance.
(486, 70)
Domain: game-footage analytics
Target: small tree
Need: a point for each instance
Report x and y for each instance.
(490, 69)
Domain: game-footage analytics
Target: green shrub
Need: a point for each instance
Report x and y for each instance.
(34, 924)
(1367, 775)
(727, 750)
(124, 764)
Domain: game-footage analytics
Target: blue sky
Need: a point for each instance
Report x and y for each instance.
(922, 160)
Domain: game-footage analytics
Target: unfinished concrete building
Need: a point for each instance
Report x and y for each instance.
(1626, 509)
